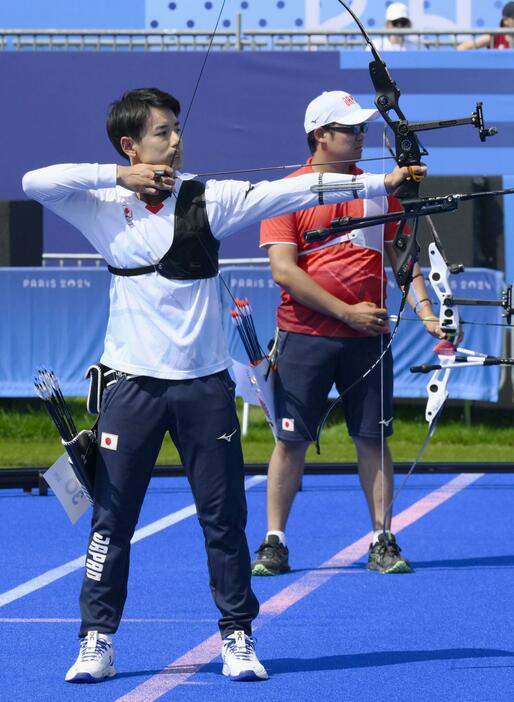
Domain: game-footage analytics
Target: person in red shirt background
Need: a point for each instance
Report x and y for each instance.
(494, 41)
(333, 324)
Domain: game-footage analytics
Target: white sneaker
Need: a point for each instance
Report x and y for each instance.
(95, 661)
(239, 659)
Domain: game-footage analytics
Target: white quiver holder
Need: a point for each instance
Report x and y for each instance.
(72, 476)
(260, 371)
(68, 489)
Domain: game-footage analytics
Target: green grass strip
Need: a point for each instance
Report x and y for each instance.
(28, 437)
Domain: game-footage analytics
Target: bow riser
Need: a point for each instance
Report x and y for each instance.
(407, 253)
(439, 276)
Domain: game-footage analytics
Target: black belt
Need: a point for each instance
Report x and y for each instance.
(155, 268)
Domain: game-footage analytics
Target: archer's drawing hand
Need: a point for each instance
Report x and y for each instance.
(366, 317)
(146, 178)
(400, 174)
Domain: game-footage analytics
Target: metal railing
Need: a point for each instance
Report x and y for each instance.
(235, 39)
(315, 40)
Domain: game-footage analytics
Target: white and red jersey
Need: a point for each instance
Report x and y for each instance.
(352, 271)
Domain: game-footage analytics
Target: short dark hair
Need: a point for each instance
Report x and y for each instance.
(311, 138)
(312, 141)
(128, 115)
(508, 10)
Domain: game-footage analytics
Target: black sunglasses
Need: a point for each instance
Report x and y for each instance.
(353, 129)
(402, 22)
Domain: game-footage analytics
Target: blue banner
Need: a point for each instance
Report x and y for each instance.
(54, 318)
(57, 318)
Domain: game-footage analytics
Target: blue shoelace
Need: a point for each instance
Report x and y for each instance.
(92, 654)
(245, 653)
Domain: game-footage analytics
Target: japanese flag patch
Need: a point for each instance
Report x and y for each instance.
(287, 424)
(109, 441)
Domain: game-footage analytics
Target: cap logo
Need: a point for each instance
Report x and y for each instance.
(349, 100)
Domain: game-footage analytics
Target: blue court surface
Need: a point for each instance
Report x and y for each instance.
(329, 630)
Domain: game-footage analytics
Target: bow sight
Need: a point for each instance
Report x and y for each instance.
(402, 129)
(476, 119)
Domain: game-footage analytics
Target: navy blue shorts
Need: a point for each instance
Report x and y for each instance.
(308, 366)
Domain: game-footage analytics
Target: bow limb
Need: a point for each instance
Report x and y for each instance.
(437, 395)
(437, 391)
(408, 152)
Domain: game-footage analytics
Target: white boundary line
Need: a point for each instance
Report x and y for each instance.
(61, 571)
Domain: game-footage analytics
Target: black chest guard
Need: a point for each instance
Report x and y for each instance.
(194, 251)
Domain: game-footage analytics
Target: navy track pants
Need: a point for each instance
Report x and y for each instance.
(201, 418)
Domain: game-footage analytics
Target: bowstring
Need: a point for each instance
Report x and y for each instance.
(382, 417)
(429, 434)
(182, 131)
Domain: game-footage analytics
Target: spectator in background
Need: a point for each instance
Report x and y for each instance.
(397, 17)
(494, 41)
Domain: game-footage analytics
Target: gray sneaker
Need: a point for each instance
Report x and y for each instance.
(384, 556)
(272, 557)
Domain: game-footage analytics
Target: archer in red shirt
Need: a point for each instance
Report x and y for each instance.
(333, 326)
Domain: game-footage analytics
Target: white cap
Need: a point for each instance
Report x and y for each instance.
(335, 106)
(396, 11)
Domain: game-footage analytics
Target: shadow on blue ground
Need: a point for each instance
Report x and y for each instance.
(373, 659)
(476, 562)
